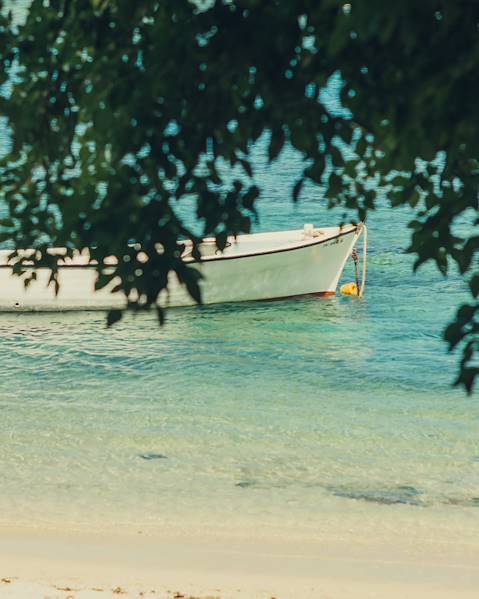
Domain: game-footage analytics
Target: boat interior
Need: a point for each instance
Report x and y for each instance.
(257, 243)
(242, 245)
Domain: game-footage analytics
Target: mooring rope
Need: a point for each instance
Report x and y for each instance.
(355, 257)
(364, 231)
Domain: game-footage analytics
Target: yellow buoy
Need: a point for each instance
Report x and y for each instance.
(349, 289)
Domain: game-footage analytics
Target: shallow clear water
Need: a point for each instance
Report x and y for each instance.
(298, 418)
(290, 418)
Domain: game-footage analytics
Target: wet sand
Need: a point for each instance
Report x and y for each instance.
(40, 564)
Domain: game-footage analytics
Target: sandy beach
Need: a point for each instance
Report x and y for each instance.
(41, 564)
(296, 183)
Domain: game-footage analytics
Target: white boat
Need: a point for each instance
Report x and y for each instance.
(260, 266)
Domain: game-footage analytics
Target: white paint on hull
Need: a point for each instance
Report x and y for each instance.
(254, 267)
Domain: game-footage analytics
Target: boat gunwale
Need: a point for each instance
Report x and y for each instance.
(309, 243)
(306, 243)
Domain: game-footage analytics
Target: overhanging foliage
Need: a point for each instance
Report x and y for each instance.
(119, 109)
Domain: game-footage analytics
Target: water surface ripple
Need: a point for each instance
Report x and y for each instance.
(290, 418)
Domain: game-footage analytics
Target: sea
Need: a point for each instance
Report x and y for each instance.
(308, 419)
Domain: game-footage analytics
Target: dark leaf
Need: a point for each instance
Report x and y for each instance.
(276, 143)
(297, 189)
(113, 316)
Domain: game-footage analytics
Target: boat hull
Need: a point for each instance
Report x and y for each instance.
(310, 269)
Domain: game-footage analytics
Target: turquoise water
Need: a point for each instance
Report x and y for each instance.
(290, 418)
(294, 419)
